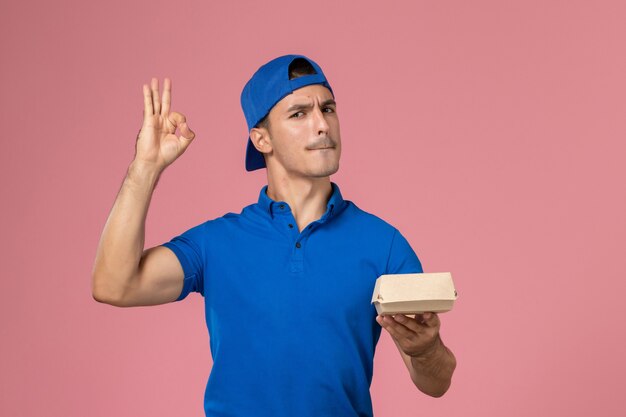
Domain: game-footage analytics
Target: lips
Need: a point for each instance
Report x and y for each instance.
(324, 143)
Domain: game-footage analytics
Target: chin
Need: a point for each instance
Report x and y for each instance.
(327, 171)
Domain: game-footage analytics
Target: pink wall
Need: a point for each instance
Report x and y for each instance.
(490, 133)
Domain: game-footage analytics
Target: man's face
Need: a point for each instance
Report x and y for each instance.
(304, 134)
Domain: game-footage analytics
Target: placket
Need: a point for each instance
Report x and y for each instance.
(298, 240)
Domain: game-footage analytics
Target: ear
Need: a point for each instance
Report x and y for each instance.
(261, 140)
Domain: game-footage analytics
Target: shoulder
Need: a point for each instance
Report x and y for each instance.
(377, 236)
(370, 221)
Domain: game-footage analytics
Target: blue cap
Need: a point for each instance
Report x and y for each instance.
(269, 84)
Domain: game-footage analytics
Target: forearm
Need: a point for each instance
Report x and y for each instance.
(122, 240)
(432, 372)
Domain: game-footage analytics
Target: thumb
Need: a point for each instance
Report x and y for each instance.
(186, 134)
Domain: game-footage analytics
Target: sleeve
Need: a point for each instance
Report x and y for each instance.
(402, 258)
(188, 248)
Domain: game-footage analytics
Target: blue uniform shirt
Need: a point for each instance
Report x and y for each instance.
(291, 324)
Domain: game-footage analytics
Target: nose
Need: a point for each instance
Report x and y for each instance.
(320, 121)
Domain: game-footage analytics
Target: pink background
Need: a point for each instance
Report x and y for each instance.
(490, 133)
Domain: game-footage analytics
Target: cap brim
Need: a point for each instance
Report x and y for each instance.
(254, 158)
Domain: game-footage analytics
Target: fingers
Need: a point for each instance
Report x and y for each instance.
(152, 102)
(186, 133)
(154, 106)
(403, 325)
(176, 119)
(395, 325)
(413, 337)
(428, 319)
(156, 101)
(147, 101)
(167, 96)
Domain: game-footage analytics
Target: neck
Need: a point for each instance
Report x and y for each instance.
(307, 197)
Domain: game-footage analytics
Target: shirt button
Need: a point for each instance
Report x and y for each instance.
(298, 245)
(282, 206)
(290, 226)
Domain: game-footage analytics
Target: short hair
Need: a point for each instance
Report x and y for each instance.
(298, 68)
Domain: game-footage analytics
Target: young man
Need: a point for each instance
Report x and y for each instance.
(288, 281)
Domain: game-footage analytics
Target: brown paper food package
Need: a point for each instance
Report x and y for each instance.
(414, 293)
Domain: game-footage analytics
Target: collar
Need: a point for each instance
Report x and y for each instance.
(271, 207)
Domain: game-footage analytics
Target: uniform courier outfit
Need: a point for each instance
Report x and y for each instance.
(292, 328)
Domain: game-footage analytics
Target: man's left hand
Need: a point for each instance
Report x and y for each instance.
(417, 336)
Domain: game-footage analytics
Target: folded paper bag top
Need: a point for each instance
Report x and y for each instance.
(414, 293)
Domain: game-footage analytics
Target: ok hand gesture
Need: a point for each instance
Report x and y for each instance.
(156, 143)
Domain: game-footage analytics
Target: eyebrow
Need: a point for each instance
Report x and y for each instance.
(299, 106)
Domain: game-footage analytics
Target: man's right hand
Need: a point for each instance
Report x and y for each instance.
(157, 145)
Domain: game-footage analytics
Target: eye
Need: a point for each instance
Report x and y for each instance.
(296, 113)
(330, 108)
